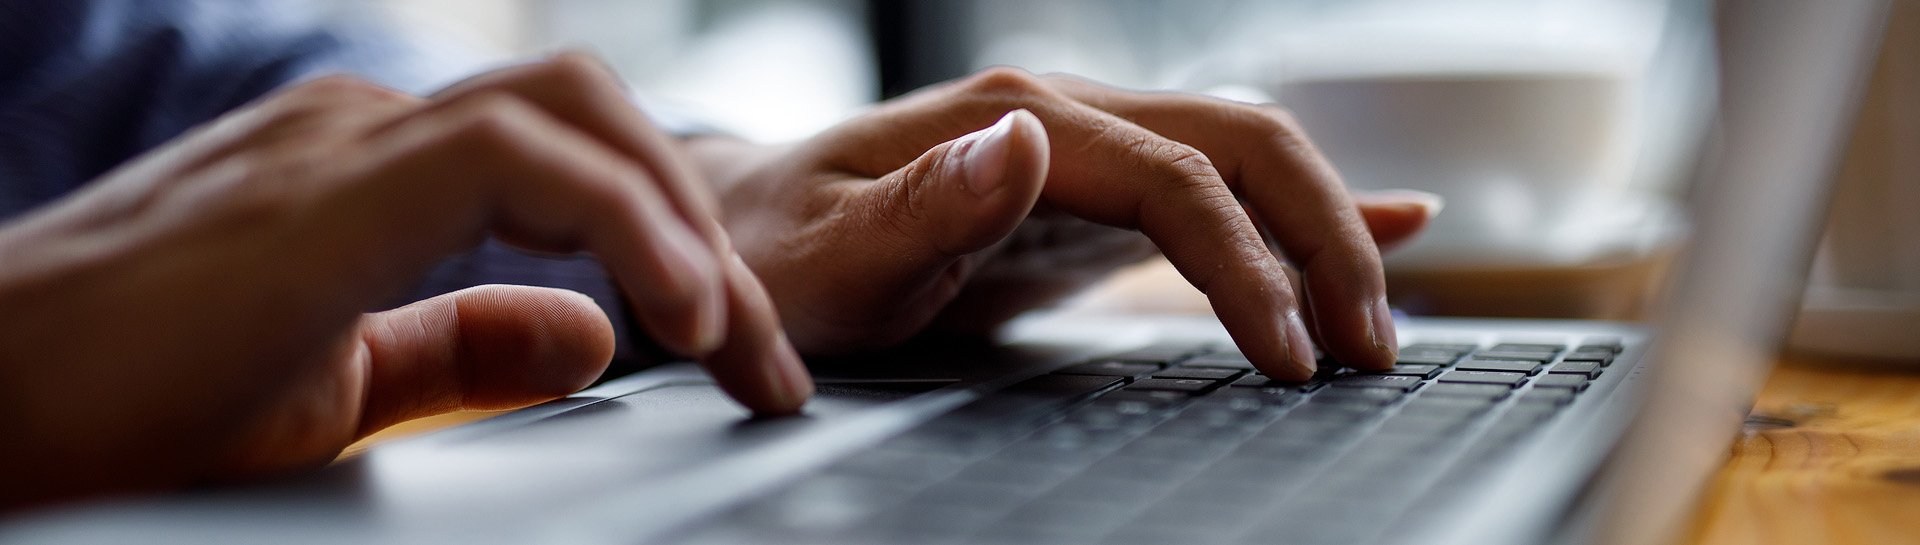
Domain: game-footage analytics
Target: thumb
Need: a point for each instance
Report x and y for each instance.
(487, 347)
(966, 194)
(905, 234)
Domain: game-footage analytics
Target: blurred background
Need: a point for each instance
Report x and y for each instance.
(1560, 132)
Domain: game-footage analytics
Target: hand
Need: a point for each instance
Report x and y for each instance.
(913, 213)
(197, 313)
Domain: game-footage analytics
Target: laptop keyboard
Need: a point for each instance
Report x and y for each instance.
(1184, 444)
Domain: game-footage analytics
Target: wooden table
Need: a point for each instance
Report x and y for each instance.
(1831, 455)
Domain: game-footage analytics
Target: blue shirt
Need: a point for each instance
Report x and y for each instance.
(88, 84)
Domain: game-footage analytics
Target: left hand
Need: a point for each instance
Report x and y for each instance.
(912, 214)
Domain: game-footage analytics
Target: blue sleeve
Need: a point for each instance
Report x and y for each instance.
(88, 84)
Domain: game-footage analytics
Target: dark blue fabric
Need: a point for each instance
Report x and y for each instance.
(88, 84)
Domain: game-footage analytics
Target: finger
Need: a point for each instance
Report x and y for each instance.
(546, 186)
(1108, 170)
(482, 348)
(581, 91)
(1265, 157)
(491, 161)
(905, 234)
(757, 366)
(1395, 217)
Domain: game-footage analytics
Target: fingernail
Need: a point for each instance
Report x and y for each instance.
(1429, 203)
(984, 155)
(1383, 334)
(1299, 345)
(791, 374)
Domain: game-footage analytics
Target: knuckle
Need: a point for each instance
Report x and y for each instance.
(492, 120)
(341, 90)
(1283, 127)
(1005, 80)
(337, 84)
(1278, 118)
(1187, 161)
(903, 204)
(1180, 161)
(576, 71)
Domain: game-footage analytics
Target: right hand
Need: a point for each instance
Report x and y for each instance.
(963, 204)
(197, 313)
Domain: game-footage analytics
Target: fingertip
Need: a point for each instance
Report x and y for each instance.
(1429, 204)
(529, 344)
(795, 383)
(1383, 333)
(1267, 326)
(966, 194)
(1011, 153)
(1299, 344)
(757, 365)
(1029, 154)
(1394, 217)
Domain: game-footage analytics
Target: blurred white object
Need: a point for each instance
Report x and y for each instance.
(1863, 299)
(768, 71)
(1533, 164)
(1531, 131)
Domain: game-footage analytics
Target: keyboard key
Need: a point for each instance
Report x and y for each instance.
(1257, 380)
(1526, 415)
(1456, 348)
(1397, 382)
(1223, 360)
(1198, 373)
(1433, 424)
(1526, 347)
(1333, 409)
(1140, 401)
(1412, 370)
(1030, 399)
(1159, 353)
(1547, 396)
(1359, 396)
(1510, 380)
(1589, 369)
(1063, 387)
(1249, 399)
(1453, 389)
(1427, 357)
(1273, 396)
(1110, 369)
(1536, 356)
(1574, 382)
(1610, 344)
(1172, 385)
(1447, 405)
(1604, 358)
(1512, 366)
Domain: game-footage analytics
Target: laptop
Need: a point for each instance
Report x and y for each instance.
(1080, 428)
